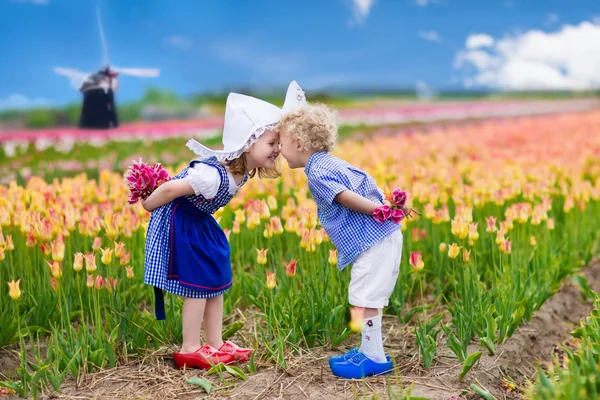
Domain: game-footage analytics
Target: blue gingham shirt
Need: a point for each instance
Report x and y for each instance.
(351, 232)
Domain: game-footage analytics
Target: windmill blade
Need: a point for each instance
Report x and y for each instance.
(77, 78)
(140, 72)
(102, 38)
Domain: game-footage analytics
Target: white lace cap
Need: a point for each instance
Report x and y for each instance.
(246, 119)
(294, 98)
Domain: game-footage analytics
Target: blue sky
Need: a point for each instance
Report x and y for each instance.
(202, 45)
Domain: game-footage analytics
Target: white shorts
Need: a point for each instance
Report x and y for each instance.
(374, 273)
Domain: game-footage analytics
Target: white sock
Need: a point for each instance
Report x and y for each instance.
(372, 344)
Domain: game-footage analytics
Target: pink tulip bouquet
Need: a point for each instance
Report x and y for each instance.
(394, 207)
(143, 179)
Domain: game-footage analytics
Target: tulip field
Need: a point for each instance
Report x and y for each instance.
(509, 212)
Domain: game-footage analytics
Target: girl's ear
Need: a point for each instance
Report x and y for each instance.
(299, 145)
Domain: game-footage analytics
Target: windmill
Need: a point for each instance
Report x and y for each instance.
(98, 89)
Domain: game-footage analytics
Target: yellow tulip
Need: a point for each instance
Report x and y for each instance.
(491, 224)
(106, 255)
(473, 234)
(271, 280)
(55, 269)
(453, 250)
(276, 227)
(267, 233)
(90, 262)
(119, 248)
(264, 210)
(333, 259)
(443, 247)
(240, 216)
(9, 243)
(58, 250)
(532, 241)
(129, 272)
(311, 219)
(416, 261)
(13, 289)
(290, 224)
(78, 262)
(466, 255)
(272, 202)
(236, 227)
(261, 257)
(500, 237)
(125, 258)
(550, 224)
(357, 321)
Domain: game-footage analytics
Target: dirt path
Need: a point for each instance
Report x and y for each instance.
(308, 376)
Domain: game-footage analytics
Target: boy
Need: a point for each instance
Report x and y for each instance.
(346, 198)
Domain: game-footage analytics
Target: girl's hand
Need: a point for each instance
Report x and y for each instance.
(166, 193)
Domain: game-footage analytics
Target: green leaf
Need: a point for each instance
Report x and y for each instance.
(202, 382)
(489, 345)
(490, 326)
(483, 393)
(339, 339)
(232, 329)
(433, 322)
(468, 364)
(235, 371)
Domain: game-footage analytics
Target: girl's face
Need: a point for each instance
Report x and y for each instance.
(264, 152)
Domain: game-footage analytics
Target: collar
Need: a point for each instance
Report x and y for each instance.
(312, 159)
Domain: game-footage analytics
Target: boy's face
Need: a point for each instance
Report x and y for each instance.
(291, 149)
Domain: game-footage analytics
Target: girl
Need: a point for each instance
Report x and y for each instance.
(187, 252)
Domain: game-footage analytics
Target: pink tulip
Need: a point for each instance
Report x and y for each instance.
(399, 197)
(142, 179)
(382, 213)
(397, 215)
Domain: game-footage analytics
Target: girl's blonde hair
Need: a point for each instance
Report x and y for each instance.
(237, 166)
(313, 125)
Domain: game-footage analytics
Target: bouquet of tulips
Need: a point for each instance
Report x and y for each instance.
(143, 179)
(394, 207)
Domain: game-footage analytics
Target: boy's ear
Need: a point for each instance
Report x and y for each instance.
(299, 145)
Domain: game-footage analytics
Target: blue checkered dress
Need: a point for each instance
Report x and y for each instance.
(351, 232)
(161, 252)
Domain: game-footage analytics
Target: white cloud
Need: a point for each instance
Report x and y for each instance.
(431, 36)
(423, 3)
(361, 10)
(36, 2)
(596, 20)
(551, 19)
(17, 101)
(179, 42)
(479, 40)
(566, 59)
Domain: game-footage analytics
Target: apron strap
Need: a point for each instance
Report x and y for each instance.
(159, 304)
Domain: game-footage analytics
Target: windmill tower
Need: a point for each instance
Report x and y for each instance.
(98, 109)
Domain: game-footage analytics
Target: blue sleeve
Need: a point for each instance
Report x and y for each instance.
(327, 184)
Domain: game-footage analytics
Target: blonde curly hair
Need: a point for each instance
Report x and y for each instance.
(313, 125)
